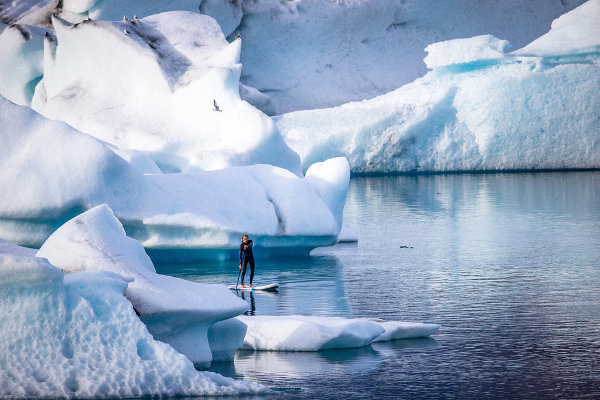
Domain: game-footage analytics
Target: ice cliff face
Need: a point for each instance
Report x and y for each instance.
(77, 336)
(478, 109)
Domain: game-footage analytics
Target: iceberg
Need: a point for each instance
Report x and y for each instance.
(166, 85)
(175, 216)
(479, 109)
(313, 54)
(313, 333)
(76, 336)
(372, 47)
(176, 311)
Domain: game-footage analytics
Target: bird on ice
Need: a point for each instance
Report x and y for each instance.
(125, 19)
(126, 31)
(216, 106)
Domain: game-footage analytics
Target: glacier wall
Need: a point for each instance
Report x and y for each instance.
(479, 109)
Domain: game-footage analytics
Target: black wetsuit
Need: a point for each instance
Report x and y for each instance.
(246, 256)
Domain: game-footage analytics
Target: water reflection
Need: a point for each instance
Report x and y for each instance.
(508, 264)
(307, 285)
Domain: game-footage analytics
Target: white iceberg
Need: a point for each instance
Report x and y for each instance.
(167, 85)
(176, 311)
(78, 337)
(177, 215)
(478, 110)
(313, 333)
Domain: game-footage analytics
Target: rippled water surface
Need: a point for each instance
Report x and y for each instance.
(508, 264)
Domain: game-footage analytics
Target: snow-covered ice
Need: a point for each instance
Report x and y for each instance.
(77, 336)
(372, 47)
(151, 85)
(313, 333)
(46, 183)
(176, 311)
(479, 109)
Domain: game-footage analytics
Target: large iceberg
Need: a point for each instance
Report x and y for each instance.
(167, 85)
(46, 182)
(176, 311)
(76, 336)
(371, 47)
(479, 109)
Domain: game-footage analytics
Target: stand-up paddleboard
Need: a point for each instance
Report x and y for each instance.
(268, 288)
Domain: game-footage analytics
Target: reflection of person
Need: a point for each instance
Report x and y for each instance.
(246, 256)
(252, 309)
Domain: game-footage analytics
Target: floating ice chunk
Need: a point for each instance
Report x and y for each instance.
(575, 32)
(519, 113)
(313, 333)
(307, 333)
(463, 51)
(176, 311)
(153, 88)
(47, 183)
(79, 338)
(395, 330)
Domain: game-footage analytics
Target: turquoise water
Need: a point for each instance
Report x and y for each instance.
(508, 264)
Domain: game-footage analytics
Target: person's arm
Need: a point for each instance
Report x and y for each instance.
(249, 244)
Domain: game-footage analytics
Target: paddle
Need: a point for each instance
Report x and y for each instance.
(238, 281)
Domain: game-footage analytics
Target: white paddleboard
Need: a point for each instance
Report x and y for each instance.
(269, 287)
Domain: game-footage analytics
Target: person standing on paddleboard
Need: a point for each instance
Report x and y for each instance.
(246, 257)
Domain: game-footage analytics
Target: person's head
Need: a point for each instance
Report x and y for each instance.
(244, 238)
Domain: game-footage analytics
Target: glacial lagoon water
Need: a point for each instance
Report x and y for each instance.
(508, 264)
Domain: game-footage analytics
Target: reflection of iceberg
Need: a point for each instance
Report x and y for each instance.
(248, 364)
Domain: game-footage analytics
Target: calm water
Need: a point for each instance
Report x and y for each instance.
(508, 264)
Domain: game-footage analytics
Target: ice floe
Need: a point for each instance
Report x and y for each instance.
(313, 333)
